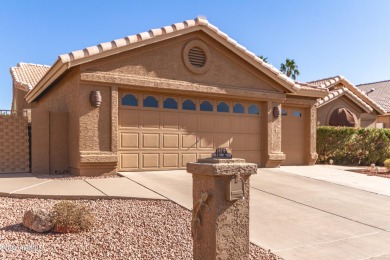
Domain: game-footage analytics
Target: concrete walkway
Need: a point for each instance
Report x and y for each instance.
(25, 185)
(312, 212)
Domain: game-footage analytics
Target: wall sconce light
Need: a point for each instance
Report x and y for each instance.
(95, 98)
(276, 112)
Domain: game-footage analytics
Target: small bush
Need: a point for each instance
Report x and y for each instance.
(353, 146)
(386, 163)
(69, 217)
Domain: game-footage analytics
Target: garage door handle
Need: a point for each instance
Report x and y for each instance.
(192, 145)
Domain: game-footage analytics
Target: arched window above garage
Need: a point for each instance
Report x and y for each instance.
(223, 107)
(170, 103)
(188, 104)
(297, 114)
(206, 106)
(150, 101)
(129, 100)
(253, 110)
(238, 108)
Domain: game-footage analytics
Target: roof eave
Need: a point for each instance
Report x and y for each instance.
(54, 72)
(66, 61)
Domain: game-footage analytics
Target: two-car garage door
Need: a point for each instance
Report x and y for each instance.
(158, 132)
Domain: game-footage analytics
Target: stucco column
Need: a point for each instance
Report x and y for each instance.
(273, 137)
(114, 119)
(313, 134)
(220, 218)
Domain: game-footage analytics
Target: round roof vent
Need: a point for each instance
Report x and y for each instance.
(196, 56)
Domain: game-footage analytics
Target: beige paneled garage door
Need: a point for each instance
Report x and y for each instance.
(293, 135)
(159, 132)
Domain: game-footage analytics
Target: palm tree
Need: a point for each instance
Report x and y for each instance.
(263, 58)
(290, 68)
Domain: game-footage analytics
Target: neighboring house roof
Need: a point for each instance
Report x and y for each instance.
(26, 75)
(380, 93)
(66, 61)
(341, 92)
(329, 83)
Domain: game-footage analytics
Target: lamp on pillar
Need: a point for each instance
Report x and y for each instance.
(276, 111)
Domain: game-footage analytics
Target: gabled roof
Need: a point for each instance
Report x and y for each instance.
(341, 92)
(380, 93)
(66, 61)
(26, 75)
(329, 83)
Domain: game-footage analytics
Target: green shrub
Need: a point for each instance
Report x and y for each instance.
(69, 217)
(352, 146)
(386, 163)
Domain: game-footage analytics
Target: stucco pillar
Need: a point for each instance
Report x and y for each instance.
(220, 222)
(273, 138)
(114, 119)
(313, 134)
(98, 136)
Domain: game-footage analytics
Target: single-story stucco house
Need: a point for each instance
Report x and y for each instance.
(346, 105)
(162, 98)
(380, 93)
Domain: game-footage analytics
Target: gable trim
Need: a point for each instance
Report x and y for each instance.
(66, 61)
(333, 95)
(150, 83)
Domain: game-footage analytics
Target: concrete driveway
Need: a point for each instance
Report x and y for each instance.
(311, 212)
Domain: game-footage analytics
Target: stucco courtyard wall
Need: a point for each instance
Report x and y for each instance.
(14, 144)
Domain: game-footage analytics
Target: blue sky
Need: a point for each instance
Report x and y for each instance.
(325, 38)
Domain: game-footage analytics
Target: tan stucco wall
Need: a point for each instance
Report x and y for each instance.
(14, 154)
(165, 60)
(18, 99)
(97, 133)
(385, 119)
(61, 98)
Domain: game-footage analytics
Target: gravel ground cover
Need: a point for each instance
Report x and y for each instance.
(380, 172)
(67, 177)
(124, 229)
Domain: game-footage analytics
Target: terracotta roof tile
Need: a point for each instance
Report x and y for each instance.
(381, 93)
(343, 91)
(27, 75)
(330, 82)
(105, 49)
(200, 21)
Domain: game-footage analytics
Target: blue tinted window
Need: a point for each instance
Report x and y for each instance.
(150, 101)
(223, 107)
(238, 108)
(254, 110)
(129, 100)
(170, 103)
(188, 104)
(206, 106)
(284, 112)
(297, 114)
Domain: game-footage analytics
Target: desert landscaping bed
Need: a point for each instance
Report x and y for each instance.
(380, 172)
(124, 229)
